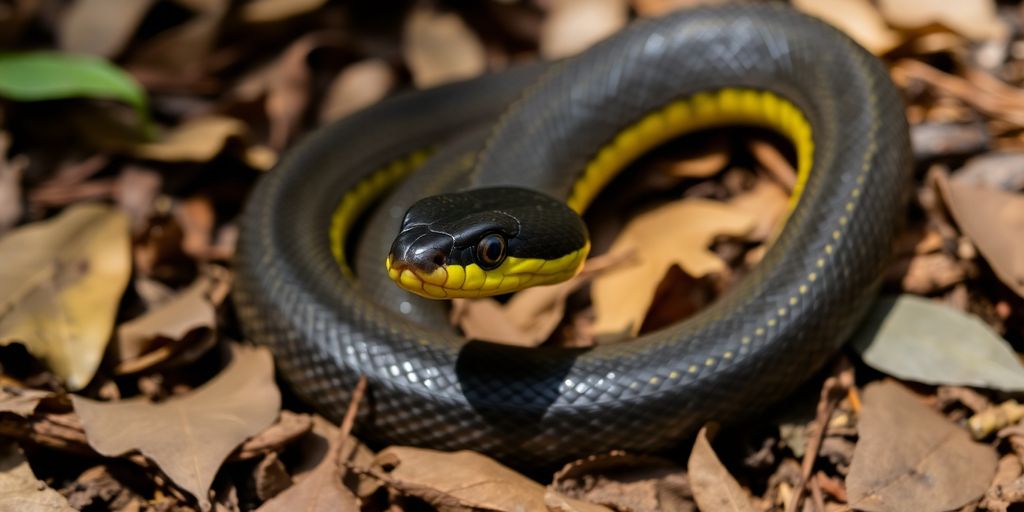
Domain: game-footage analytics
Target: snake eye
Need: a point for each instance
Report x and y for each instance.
(490, 251)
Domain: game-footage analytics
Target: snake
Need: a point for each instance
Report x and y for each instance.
(491, 173)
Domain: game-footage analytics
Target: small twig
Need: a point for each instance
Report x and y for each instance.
(831, 392)
(347, 423)
(817, 498)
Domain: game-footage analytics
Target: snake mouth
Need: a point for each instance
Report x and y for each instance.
(451, 281)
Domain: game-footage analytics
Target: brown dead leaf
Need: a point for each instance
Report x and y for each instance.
(463, 480)
(439, 47)
(96, 488)
(195, 140)
(180, 53)
(677, 233)
(263, 11)
(710, 161)
(21, 401)
(994, 221)
(660, 7)
(626, 482)
(61, 283)
(135, 191)
(531, 315)
(100, 27)
(1000, 494)
(169, 324)
(910, 457)
(860, 20)
(189, 436)
(976, 19)
(20, 490)
(772, 160)
(997, 169)
(288, 427)
(768, 203)
(714, 489)
(356, 87)
(321, 488)
(572, 26)
(11, 171)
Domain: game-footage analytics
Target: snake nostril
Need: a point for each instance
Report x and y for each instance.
(438, 258)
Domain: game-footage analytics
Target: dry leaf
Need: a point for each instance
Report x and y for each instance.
(768, 203)
(100, 27)
(10, 186)
(61, 283)
(189, 436)
(772, 160)
(20, 490)
(714, 489)
(356, 87)
(262, 11)
(181, 52)
(136, 191)
(858, 18)
(195, 140)
(572, 26)
(660, 7)
(976, 19)
(321, 488)
(994, 221)
(193, 308)
(468, 480)
(709, 161)
(288, 88)
(997, 169)
(626, 482)
(677, 233)
(288, 427)
(531, 315)
(439, 48)
(21, 401)
(910, 457)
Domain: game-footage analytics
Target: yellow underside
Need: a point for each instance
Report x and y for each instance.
(356, 200)
(703, 110)
(469, 281)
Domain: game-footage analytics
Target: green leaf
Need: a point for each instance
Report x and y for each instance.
(916, 339)
(38, 76)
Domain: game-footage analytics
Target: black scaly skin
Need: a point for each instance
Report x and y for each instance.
(531, 407)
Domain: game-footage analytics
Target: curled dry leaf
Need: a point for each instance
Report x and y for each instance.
(767, 202)
(1002, 170)
(356, 87)
(61, 283)
(262, 11)
(910, 457)
(195, 140)
(100, 27)
(439, 48)
(660, 7)
(916, 339)
(531, 315)
(21, 401)
(180, 52)
(976, 19)
(714, 489)
(20, 490)
(189, 436)
(860, 20)
(464, 480)
(994, 221)
(11, 171)
(321, 488)
(626, 482)
(572, 26)
(677, 233)
(173, 321)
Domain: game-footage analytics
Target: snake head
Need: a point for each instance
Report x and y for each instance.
(484, 242)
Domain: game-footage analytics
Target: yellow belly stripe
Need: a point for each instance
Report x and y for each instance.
(700, 111)
(360, 197)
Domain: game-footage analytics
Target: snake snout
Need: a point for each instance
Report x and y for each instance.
(420, 249)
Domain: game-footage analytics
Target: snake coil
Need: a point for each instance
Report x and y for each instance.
(573, 128)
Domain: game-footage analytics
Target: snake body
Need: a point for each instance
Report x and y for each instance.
(577, 123)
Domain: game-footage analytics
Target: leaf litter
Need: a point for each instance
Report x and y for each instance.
(232, 86)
